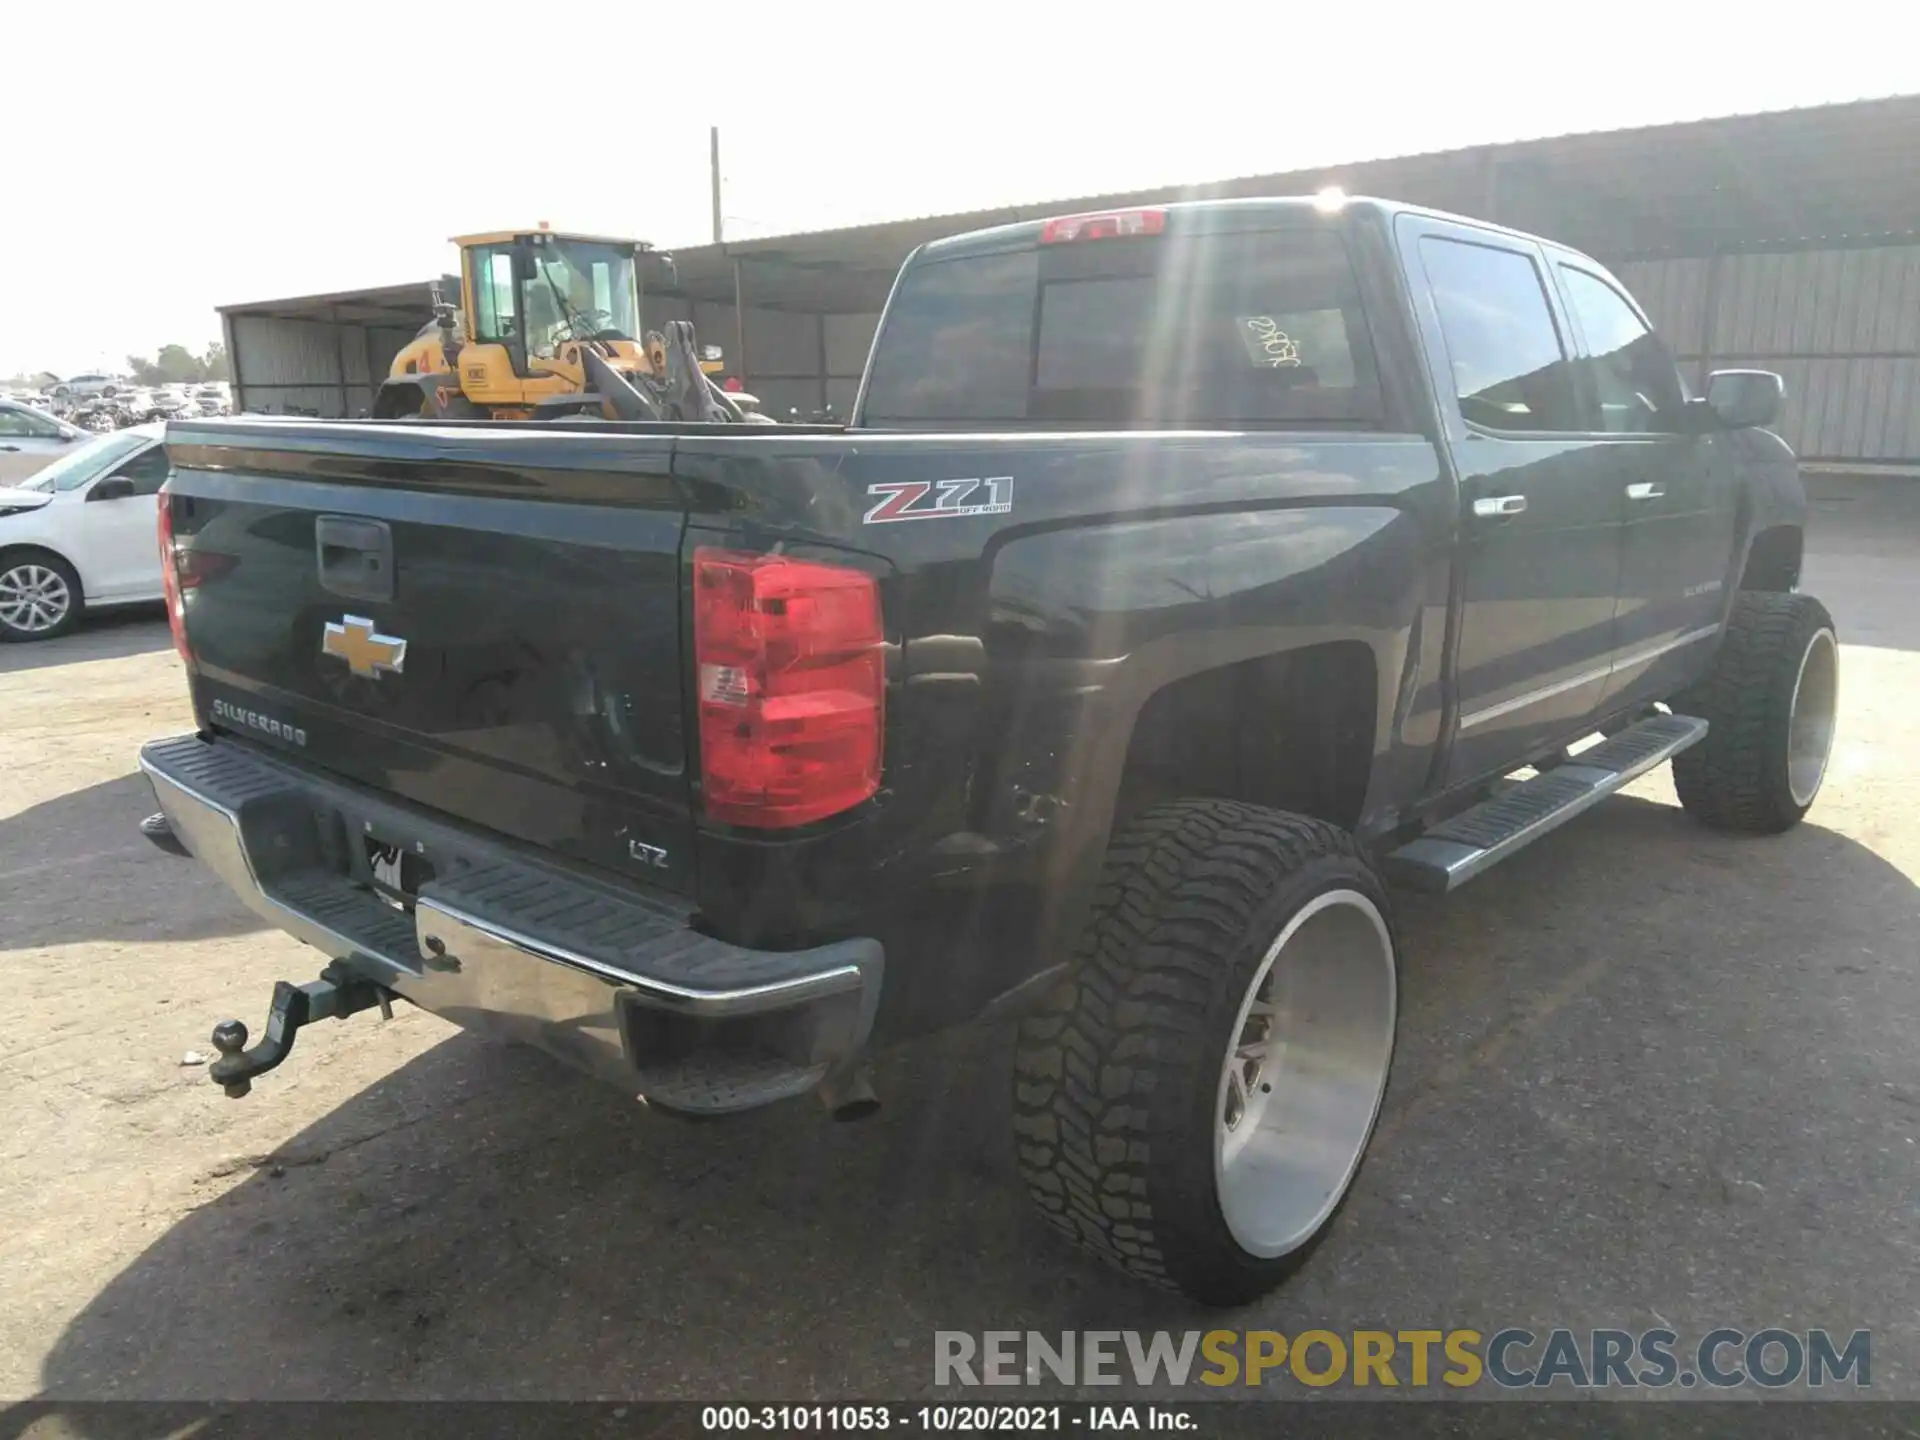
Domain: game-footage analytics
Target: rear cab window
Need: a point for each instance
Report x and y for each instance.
(1246, 328)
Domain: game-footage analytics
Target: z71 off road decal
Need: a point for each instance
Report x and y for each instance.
(939, 499)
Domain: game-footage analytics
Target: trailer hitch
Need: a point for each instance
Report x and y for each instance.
(334, 996)
(158, 829)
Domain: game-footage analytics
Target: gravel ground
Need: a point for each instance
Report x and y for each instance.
(1647, 1075)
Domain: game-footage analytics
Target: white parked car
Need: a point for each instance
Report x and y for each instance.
(214, 398)
(80, 534)
(80, 387)
(31, 438)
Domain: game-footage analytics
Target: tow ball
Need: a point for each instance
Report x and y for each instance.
(334, 996)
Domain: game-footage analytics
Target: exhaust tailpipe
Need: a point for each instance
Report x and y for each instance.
(848, 1093)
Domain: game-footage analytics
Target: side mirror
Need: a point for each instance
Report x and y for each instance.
(1742, 399)
(114, 487)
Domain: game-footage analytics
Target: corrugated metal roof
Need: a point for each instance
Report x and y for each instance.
(1894, 119)
(382, 305)
(1744, 181)
(1840, 173)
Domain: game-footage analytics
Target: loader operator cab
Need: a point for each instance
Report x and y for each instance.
(532, 293)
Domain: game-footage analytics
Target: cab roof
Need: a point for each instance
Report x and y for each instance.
(1303, 209)
(501, 237)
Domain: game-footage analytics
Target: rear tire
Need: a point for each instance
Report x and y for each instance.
(1234, 996)
(1770, 702)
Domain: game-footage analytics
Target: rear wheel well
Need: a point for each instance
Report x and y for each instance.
(1292, 731)
(1773, 560)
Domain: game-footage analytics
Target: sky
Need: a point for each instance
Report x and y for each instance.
(220, 153)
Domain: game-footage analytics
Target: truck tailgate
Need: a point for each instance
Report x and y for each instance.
(427, 611)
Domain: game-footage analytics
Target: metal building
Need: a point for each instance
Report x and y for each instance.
(1784, 240)
(321, 354)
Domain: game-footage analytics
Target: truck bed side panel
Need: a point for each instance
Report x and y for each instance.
(1029, 638)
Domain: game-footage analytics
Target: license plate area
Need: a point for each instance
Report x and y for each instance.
(396, 871)
(311, 835)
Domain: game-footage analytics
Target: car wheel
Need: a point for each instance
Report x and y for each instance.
(1770, 703)
(1192, 1102)
(40, 596)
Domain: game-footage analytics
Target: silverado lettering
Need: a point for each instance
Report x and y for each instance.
(254, 720)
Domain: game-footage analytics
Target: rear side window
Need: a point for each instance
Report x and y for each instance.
(1510, 370)
(958, 342)
(1261, 328)
(1634, 379)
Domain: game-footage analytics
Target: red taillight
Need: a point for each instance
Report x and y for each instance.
(792, 679)
(1102, 225)
(170, 579)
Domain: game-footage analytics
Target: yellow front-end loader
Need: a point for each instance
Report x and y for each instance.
(549, 328)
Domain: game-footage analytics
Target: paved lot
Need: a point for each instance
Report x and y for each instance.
(1647, 1075)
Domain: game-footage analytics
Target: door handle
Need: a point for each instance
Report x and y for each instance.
(1646, 490)
(10, 449)
(1492, 507)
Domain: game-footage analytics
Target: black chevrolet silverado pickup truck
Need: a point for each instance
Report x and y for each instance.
(1185, 575)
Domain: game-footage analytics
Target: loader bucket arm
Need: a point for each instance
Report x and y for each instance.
(689, 391)
(626, 400)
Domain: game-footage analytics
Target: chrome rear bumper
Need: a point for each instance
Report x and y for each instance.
(614, 982)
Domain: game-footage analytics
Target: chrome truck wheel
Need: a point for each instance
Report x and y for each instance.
(1771, 703)
(1193, 1101)
(1810, 716)
(1304, 1074)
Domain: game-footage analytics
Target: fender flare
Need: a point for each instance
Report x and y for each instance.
(1098, 688)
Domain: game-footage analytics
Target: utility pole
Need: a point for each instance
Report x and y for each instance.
(713, 149)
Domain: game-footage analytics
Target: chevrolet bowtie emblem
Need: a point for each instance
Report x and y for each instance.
(368, 653)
